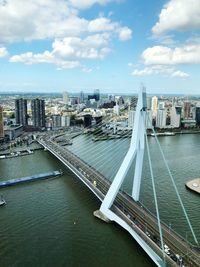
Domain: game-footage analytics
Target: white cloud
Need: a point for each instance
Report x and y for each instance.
(69, 51)
(125, 34)
(130, 64)
(181, 74)
(159, 69)
(29, 58)
(33, 19)
(82, 4)
(3, 52)
(102, 24)
(162, 55)
(178, 15)
(43, 19)
(92, 47)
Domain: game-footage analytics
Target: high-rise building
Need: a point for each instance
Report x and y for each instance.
(149, 119)
(154, 105)
(187, 109)
(1, 123)
(119, 100)
(131, 116)
(161, 119)
(161, 105)
(87, 120)
(198, 115)
(148, 103)
(97, 94)
(56, 121)
(38, 112)
(133, 102)
(116, 110)
(175, 118)
(65, 98)
(178, 110)
(81, 97)
(21, 112)
(65, 121)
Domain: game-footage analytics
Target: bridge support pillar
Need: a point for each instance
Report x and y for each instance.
(101, 216)
(136, 146)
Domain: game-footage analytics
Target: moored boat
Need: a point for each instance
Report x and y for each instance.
(2, 201)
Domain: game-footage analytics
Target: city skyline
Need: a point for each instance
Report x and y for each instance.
(109, 45)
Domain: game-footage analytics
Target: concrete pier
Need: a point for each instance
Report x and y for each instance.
(101, 216)
(194, 185)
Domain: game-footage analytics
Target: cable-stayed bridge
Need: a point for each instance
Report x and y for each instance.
(162, 245)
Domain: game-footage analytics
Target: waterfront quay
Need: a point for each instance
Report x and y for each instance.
(136, 216)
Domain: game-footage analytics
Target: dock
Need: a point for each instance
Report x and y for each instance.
(16, 154)
(36, 177)
(194, 185)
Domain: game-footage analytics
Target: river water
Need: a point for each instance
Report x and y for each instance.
(51, 223)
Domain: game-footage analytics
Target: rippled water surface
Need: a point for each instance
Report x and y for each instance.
(50, 223)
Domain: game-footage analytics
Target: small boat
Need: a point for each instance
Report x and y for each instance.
(2, 201)
(163, 134)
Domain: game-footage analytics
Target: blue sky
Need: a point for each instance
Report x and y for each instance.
(113, 45)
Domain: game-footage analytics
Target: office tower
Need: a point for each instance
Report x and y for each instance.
(73, 100)
(198, 115)
(187, 109)
(178, 110)
(154, 105)
(81, 97)
(161, 105)
(1, 123)
(87, 120)
(133, 102)
(116, 110)
(131, 116)
(97, 94)
(38, 112)
(56, 121)
(148, 103)
(65, 121)
(21, 112)
(149, 119)
(119, 100)
(65, 98)
(175, 118)
(161, 119)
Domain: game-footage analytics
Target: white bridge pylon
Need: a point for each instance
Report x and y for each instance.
(136, 150)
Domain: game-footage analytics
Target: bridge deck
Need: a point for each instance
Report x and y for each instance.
(144, 223)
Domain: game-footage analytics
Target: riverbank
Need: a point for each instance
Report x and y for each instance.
(19, 151)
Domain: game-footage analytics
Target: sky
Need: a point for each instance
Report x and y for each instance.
(111, 45)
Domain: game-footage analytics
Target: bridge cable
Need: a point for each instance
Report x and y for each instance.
(105, 162)
(95, 149)
(101, 156)
(98, 134)
(155, 197)
(101, 160)
(85, 149)
(175, 187)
